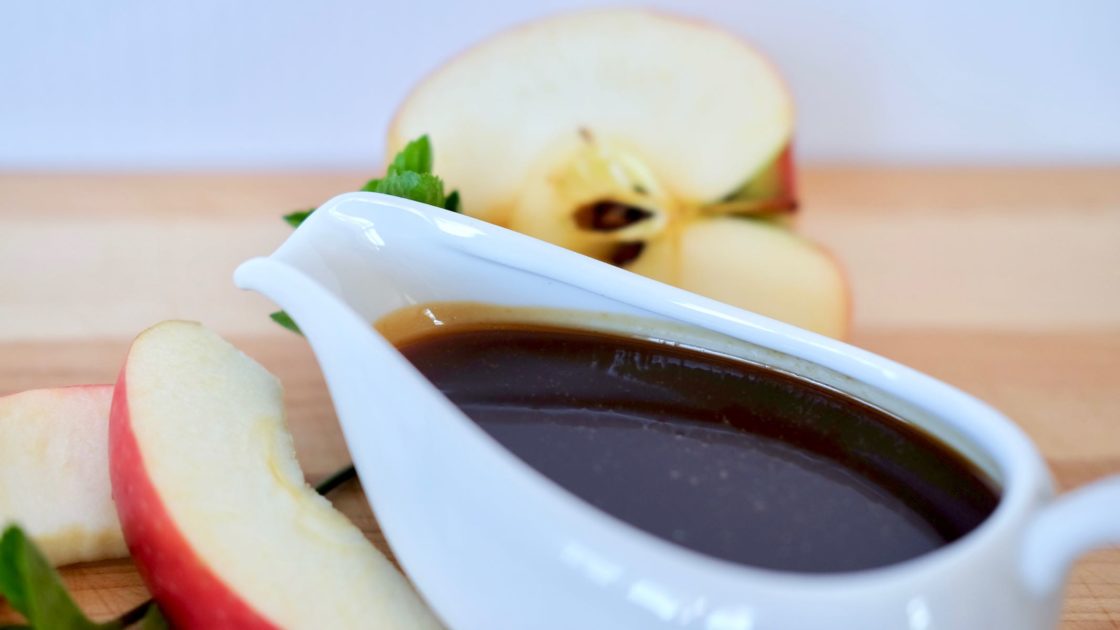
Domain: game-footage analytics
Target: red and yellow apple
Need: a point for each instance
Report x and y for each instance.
(54, 472)
(625, 134)
(223, 528)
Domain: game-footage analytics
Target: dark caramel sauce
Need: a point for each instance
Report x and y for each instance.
(719, 455)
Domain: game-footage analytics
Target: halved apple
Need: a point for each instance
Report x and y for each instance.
(626, 135)
(215, 509)
(693, 104)
(54, 472)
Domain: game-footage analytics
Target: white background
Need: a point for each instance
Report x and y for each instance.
(127, 84)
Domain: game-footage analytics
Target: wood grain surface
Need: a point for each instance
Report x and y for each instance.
(1005, 283)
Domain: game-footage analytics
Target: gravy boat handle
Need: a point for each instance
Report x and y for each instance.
(1077, 522)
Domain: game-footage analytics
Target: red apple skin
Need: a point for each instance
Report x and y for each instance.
(787, 198)
(784, 202)
(189, 594)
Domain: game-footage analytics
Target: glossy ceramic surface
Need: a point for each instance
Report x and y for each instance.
(492, 544)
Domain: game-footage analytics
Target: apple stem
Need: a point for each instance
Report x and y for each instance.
(136, 614)
(335, 480)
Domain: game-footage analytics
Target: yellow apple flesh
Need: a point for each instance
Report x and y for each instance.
(561, 194)
(54, 472)
(754, 265)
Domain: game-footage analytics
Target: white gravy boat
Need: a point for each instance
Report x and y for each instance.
(492, 544)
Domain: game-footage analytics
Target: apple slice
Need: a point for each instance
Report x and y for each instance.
(215, 509)
(694, 104)
(54, 472)
(754, 265)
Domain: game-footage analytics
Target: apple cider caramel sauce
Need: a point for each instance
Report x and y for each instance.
(718, 454)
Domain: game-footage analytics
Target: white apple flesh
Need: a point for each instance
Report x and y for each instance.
(54, 472)
(754, 265)
(695, 103)
(217, 515)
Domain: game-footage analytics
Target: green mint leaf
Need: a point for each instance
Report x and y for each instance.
(296, 219)
(452, 202)
(415, 157)
(422, 187)
(33, 587)
(285, 320)
(409, 176)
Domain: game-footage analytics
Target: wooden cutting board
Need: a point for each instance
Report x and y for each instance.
(1005, 283)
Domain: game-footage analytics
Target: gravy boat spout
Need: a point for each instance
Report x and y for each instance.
(490, 543)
